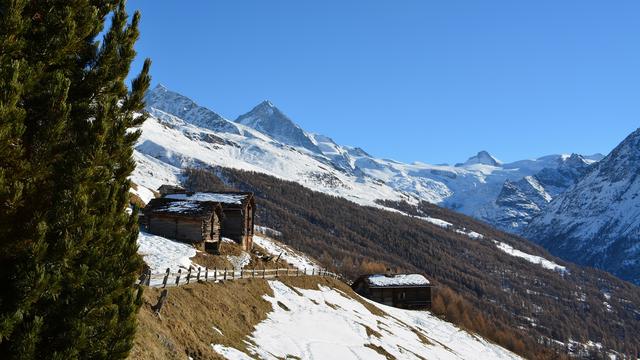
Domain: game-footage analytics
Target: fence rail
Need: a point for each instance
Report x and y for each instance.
(200, 274)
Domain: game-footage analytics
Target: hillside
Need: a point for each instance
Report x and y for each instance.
(597, 221)
(294, 318)
(516, 284)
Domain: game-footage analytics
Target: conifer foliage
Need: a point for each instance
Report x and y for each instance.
(68, 248)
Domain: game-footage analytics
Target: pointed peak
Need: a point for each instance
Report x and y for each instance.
(483, 157)
(266, 103)
(160, 87)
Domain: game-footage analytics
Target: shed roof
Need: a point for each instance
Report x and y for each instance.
(224, 198)
(185, 208)
(382, 280)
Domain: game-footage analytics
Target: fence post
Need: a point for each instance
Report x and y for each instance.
(145, 277)
(206, 274)
(233, 274)
(225, 274)
(178, 277)
(166, 278)
(215, 273)
(241, 273)
(264, 271)
(276, 271)
(313, 270)
(305, 271)
(198, 276)
(161, 300)
(189, 275)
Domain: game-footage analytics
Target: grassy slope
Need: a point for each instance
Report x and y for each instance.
(186, 324)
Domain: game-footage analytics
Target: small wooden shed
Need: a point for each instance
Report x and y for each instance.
(194, 222)
(407, 291)
(238, 209)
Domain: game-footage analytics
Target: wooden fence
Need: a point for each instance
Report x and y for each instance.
(205, 274)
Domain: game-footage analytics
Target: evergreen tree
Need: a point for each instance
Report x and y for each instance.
(68, 250)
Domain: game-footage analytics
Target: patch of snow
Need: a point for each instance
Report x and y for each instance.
(217, 330)
(230, 353)
(239, 261)
(326, 324)
(294, 258)
(470, 233)
(143, 193)
(398, 280)
(161, 253)
(437, 222)
(547, 264)
(215, 197)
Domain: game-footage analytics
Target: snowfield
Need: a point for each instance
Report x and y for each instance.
(547, 264)
(161, 253)
(326, 324)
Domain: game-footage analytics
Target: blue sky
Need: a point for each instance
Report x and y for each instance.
(433, 81)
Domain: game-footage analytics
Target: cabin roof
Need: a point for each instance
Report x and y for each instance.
(395, 280)
(224, 198)
(187, 208)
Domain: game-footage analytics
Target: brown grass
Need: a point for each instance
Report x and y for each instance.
(136, 200)
(211, 261)
(185, 326)
(380, 350)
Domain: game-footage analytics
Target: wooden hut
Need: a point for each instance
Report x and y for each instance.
(407, 291)
(238, 209)
(194, 222)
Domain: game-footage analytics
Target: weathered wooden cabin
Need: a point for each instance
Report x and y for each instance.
(238, 209)
(194, 222)
(407, 291)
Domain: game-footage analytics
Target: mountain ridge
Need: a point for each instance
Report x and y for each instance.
(596, 221)
(472, 188)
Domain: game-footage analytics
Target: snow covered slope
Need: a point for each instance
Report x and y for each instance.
(597, 221)
(180, 133)
(329, 324)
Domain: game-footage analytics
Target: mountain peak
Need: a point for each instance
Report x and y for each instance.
(171, 102)
(483, 157)
(266, 103)
(160, 87)
(268, 119)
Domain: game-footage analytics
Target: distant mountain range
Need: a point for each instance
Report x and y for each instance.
(483, 187)
(506, 195)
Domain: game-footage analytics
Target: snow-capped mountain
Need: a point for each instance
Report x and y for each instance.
(484, 158)
(522, 200)
(161, 98)
(268, 119)
(182, 133)
(597, 221)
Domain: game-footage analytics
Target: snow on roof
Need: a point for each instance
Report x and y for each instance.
(397, 280)
(176, 207)
(224, 198)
